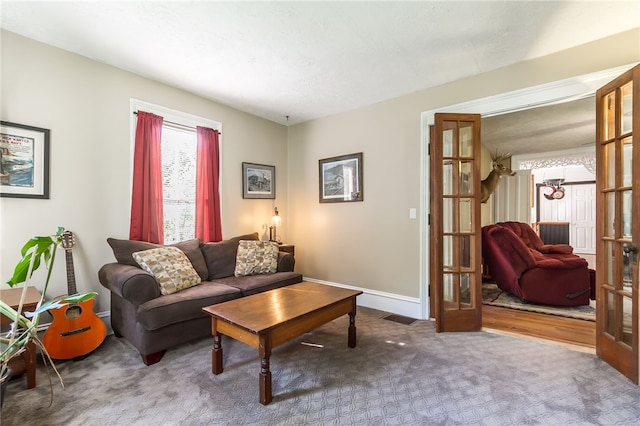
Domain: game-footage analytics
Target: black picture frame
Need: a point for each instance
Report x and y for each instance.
(258, 181)
(24, 161)
(340, 179)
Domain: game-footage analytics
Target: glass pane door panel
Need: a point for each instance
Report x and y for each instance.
(466, 214)
(627, 151)
(626, 214)
(448, 291)
(447, 215)
(610, 115)
(447, 178)
(466, 177)
(610, 215)
(609, 323)
(448, 138)
(627, 108)
(610, 257)
(465, 289)
(611, 165)
(447, 252)
(626, 320)
(466, 139)
(465, 251)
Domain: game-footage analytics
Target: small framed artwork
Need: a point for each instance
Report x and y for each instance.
(340, 179)
(24, 161)
(258, 181)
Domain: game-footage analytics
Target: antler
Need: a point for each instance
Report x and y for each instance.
(500, 156)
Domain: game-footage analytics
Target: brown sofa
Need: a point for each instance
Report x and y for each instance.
(153, 322)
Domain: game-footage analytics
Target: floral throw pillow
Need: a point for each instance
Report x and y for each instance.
(170, 266)
(256, 257)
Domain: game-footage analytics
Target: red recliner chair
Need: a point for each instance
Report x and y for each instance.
(552, 276)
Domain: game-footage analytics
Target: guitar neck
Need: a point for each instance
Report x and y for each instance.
(71, 276)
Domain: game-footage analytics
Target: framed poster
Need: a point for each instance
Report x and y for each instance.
(340, 179)
(24, 161)
(258, 181)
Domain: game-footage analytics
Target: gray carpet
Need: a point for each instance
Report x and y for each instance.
(398, 374)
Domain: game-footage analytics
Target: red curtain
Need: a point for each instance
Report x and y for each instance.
(208, 224)
(146, 201)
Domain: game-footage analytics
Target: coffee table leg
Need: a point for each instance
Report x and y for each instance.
(352, 328)
(265, 373)
(216, 354)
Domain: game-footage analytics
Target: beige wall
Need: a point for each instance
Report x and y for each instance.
(86, 106)
(373, 244)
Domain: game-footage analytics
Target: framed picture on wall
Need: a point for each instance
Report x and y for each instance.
(258, 181)
(340, 179)
(24, 161)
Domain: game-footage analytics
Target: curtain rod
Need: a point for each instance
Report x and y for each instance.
(178, 124)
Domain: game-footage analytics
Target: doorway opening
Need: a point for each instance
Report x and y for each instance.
(564, 91)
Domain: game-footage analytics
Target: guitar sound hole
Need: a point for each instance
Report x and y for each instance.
(73, 312)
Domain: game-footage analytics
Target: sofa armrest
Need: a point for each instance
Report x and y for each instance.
(129, 282)
(286, 262)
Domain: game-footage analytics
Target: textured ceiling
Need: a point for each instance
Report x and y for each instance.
(543, 129)
(307, 60)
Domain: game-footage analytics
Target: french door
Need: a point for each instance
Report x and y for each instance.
(617, 227)
(455, 272)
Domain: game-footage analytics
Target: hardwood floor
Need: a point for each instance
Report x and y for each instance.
(551, 327)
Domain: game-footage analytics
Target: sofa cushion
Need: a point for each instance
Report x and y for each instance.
(170, 267)
(252, 284)
(123, 250)
(256, 257)
(184, 305)
(220, 257)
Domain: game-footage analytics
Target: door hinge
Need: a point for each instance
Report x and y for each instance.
(429, 219)
(429, 290)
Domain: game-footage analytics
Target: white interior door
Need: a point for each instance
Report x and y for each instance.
(556, 210)
(578, 207)
(582, 231)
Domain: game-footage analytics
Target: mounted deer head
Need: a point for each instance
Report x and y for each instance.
(488, 185)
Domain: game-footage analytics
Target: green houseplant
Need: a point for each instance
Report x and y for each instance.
(37, 251)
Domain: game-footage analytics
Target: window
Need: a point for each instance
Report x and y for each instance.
(178, 183)
(179, 150)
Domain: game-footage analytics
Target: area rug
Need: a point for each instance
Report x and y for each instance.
(494, 296)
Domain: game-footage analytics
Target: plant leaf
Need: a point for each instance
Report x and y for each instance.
(37, 247)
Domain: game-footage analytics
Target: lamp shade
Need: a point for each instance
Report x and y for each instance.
(276, 219)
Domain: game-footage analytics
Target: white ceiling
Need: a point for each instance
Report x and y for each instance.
(547, 128)
(307, 59)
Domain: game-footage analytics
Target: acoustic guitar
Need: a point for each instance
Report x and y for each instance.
(76, 330)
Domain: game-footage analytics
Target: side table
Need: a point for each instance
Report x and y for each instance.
(288, 248)
(26, 363)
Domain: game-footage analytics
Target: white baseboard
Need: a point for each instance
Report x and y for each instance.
(388, 302)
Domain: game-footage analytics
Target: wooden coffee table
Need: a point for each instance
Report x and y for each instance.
(266, 320)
